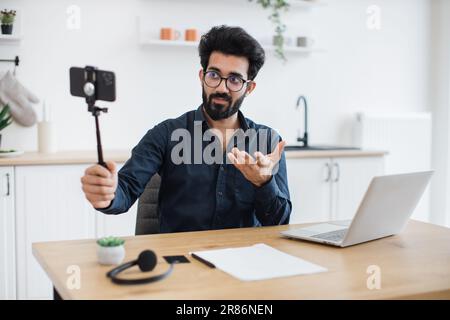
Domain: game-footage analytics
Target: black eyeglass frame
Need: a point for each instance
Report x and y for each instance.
(226, 80)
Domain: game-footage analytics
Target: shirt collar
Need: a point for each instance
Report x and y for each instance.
(199, 116)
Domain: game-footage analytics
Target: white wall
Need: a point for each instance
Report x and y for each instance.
(440, 87)
(361, 69)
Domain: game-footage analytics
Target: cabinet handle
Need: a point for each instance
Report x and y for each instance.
(338, 174)
(7, 185)
(328, 172)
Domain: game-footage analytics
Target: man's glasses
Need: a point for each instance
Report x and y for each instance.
(234, 83)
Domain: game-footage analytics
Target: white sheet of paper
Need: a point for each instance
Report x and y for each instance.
(258, 262)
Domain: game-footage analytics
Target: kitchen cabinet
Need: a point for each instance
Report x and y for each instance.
(310, 190)
(324, 189)
(121, 225)
(7, 232)
(50, 206)
(349, 181)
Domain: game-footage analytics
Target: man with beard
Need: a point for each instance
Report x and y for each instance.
(247, 188)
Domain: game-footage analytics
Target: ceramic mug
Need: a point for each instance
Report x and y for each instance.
(304, 42)
(169, 34)
(191, 35)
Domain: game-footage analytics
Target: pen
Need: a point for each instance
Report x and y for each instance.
(209, 264)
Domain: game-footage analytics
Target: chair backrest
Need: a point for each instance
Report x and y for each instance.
(147, 219)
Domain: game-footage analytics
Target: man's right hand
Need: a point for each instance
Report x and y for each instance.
(99, 184)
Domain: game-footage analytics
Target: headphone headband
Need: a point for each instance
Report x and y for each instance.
(146, 262)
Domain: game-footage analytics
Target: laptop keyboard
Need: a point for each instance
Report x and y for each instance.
(335, 236)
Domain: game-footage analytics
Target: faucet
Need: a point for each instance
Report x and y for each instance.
(305, 134)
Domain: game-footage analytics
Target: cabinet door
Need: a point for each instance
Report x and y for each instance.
(7, 232)
(350, 179)
(309, 188)
(50, 206)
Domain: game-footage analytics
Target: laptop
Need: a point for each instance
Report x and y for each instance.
(384, 211)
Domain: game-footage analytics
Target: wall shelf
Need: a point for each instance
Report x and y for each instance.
(6, 38)
(169, 43)
(146, 39)
(293, 3)
(178, 43)
(292, 49)
(306, 4)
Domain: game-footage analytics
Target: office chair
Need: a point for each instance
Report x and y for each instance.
(147, 219)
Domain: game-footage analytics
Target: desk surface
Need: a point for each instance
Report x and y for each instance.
(414, 264)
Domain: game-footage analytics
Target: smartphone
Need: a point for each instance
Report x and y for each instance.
(104, 82)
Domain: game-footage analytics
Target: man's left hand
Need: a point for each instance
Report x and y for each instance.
(257, 170)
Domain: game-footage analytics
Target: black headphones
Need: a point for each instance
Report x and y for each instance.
(146, 262)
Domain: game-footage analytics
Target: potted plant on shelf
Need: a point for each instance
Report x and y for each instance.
(7, 19)
(276, 7)
(5, 120)
(110, 250)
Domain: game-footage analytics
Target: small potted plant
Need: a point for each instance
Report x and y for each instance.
(110, 250)
(7, 19)
(5, 120)
(276, 7)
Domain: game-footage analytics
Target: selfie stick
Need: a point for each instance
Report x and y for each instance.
(89, 91)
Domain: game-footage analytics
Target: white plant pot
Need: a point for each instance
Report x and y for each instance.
(110, 255)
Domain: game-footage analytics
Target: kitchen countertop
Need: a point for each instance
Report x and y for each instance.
(64, 157)
(293, 154)
(120, 156)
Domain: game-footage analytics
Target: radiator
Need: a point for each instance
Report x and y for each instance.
(407, 138)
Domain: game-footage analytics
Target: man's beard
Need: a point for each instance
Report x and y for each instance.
(218, 111)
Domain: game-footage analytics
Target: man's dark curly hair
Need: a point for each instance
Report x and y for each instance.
(233, 41)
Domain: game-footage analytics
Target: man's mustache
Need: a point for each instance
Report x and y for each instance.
(220, 96)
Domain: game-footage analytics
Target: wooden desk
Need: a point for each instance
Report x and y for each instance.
(414, 264)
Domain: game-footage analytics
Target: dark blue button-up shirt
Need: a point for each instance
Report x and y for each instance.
(196, 195)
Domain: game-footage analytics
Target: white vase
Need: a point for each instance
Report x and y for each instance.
(110, 255)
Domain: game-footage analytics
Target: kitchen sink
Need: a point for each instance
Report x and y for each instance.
(305, 138)
(318, 148)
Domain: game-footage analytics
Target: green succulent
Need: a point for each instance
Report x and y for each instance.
(110, 242)
(5, 117)
(7, 17)
(276, 6)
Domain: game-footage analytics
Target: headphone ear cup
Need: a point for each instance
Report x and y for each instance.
(147, 260)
